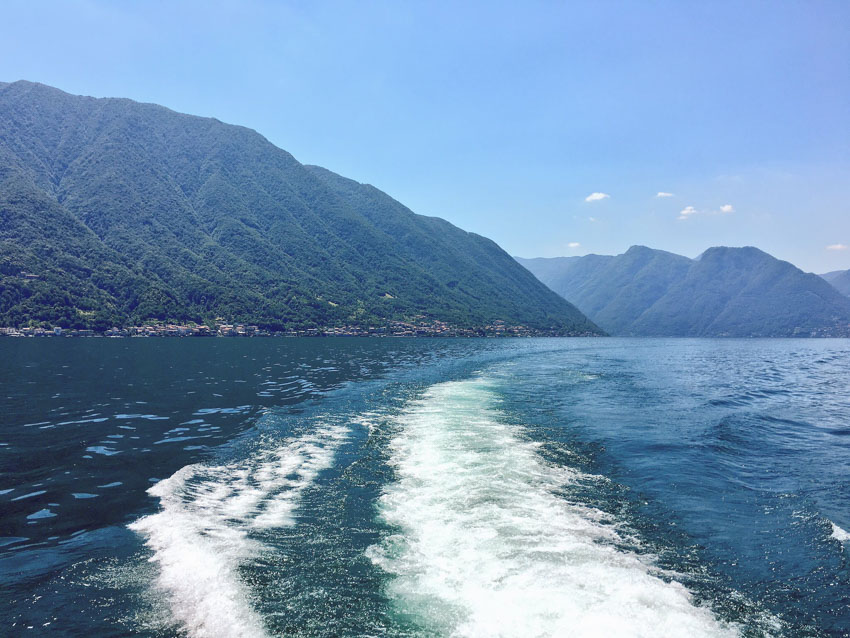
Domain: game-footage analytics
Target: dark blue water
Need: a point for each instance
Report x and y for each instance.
(581, 487)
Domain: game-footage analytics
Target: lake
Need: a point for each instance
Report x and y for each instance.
(424, 487)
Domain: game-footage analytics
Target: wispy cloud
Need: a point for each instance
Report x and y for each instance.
(663, 194)
(591, 219)
(688, 211)
(574, 244)
(595, 197)
(837, 247)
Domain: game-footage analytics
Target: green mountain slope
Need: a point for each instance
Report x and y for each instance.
(840, 280)
(724, 292)
(115, 212)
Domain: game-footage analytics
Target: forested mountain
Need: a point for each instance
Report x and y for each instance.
(724, 292)
(115, 212)
(840, 280)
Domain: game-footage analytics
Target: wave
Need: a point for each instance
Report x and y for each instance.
(484, 546)
(839, 534)
(208, 522)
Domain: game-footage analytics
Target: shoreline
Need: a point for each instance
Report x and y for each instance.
(144, 332)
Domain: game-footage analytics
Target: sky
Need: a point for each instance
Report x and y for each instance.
(554, 128)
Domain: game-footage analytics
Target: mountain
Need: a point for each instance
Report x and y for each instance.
(114, 212)
(724, 292)
(616, 290)
(840, 280)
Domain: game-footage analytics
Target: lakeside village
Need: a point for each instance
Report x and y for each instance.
(418, 328)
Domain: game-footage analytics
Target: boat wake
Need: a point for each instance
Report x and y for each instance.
(207, 527)
(483, 545)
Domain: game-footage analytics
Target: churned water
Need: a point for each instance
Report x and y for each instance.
(385, 487)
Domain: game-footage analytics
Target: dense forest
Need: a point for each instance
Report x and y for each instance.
(114, 212)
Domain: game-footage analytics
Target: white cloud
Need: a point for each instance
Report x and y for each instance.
(663, 194)
(595, 197)
(574, 244)
(687, 211)
(591, 219)
(837, 247)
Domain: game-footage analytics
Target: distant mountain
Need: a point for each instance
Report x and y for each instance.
(840, 280)
(724, 292)
(116, 212)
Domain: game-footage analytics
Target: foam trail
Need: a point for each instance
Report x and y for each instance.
(839, 534)
(485, 547)
(203, 532)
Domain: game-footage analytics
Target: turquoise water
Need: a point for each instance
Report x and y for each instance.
(334, 487)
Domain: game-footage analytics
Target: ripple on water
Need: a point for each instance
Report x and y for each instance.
(42, 513)
(30, 495)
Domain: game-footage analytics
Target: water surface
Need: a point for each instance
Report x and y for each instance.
(326, 487)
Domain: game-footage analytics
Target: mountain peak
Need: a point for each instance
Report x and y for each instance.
(724, 251)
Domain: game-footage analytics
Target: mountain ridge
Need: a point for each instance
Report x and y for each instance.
(726, 291)
(840, 280)
(118, 212)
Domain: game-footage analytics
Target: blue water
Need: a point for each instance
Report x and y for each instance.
(334, 487)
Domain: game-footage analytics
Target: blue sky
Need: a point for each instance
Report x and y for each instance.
(503, 117)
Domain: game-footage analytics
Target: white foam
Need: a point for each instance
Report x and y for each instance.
(839, 534)
(486, 547)
(203, 533)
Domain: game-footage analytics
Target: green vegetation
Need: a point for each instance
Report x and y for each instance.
(739, 292)
(116, 213)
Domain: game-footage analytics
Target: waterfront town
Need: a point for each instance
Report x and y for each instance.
(419, 327)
